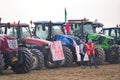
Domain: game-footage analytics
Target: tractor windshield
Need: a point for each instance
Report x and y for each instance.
(113, 33)
(42, 33)
(106, 32)
(57, 30)
(87, 28)
(23, 30)
(2, 30)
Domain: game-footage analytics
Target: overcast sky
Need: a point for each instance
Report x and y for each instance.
(105, 11)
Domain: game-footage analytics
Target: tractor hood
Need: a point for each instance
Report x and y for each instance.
(38, 42)
(96, 36)
(66, 39)
(4, 36)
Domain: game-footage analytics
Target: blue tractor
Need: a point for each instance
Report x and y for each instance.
(54, 31)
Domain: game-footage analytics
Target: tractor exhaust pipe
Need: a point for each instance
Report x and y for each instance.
(0, 20)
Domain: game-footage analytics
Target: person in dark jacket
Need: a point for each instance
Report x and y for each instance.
(82, 51)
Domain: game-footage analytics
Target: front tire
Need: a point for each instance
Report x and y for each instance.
(25, 61)
(49, 63)
(100, 55)
(68, 61)
(114, 55)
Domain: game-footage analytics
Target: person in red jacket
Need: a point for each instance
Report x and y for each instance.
(90, 50)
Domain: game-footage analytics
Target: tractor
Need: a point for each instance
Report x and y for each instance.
(18, 58)
(86, 29)
(45, 30)
(55, 31)
(44, 51)
(115, 33)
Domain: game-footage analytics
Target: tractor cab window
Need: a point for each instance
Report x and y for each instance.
(106, 32)
(25, 32)
(75, 29)
(112, 33)
(12, 31)
(118, 33)
(88, 28)
(40, 33)
(57, 30)
(2, 30)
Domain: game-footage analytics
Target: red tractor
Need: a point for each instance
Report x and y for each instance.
(18, 58)
(40, 48)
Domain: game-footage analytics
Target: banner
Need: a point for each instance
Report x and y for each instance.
(78, 53)
(57, 51)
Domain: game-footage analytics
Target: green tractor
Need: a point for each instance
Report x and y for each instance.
(85, 29)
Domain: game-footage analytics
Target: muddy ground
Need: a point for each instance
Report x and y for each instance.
(105, 72)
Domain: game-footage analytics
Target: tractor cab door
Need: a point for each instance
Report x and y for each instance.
(41, 32)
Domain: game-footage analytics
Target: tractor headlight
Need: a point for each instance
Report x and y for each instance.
(12, 44)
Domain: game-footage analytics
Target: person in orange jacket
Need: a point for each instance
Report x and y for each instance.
(90, 50)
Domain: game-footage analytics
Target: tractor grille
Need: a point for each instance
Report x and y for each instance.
(12, 44)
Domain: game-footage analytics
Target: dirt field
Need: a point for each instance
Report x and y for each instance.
(105, 72)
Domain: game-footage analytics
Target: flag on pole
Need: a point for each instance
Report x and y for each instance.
(65, 15)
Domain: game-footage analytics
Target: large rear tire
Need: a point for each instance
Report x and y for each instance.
(100, 54)
(2, 64)
(68, 61)
(25, 61)
(38, 59)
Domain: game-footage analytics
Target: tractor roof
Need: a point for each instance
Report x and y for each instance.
(77, 20)
(95, 24)
(41, 22)
(47, 22)
(13, 25)
(111, 28)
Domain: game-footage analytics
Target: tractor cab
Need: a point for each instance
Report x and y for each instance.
(113, 32)
(46, 29)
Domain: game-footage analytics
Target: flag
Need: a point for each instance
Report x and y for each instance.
(67, 28)
(65, 15)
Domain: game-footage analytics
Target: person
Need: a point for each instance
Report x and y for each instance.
(90, 50)
(82, 51)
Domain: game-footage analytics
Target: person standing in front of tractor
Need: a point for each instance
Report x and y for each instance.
(90, 50)
(82, 51)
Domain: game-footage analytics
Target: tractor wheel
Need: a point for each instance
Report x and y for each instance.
(68, 61)
(117, 56)
(114, 55)
(100, 54)
(38, 59)
(25, 61)
(49, 63)
(1, 63)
